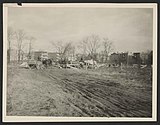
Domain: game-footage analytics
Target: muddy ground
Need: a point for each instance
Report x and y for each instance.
(103, 92)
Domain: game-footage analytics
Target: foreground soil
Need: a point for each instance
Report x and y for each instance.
(103, 92)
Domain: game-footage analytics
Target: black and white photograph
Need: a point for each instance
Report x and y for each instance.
(79, 62)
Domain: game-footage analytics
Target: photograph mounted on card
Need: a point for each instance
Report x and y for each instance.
(79, 62)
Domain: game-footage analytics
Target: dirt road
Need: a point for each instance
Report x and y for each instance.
(68, 92)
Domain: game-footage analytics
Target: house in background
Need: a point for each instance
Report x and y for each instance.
(118, 59)
(125, 59)
(36, 55)
(114, 59)
(135, 58)
(54, 56)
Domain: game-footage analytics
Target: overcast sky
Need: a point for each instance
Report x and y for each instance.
(130, 29)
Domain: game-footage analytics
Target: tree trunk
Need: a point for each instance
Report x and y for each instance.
(19, 55)
(106, 58)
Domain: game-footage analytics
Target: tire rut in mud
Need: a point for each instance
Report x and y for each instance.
(93, 93)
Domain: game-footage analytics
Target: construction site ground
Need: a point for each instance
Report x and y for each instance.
(102, 92)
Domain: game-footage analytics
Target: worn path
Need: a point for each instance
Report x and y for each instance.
(67, 92)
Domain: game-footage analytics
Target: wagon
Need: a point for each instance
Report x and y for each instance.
(32, 64)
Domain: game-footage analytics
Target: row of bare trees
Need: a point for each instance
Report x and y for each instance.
(18, 39)
(10, 36)
(89, 45)
(64, 49)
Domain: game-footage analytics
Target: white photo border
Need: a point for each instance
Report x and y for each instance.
(6, 118)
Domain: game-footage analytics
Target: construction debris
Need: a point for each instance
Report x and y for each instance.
(24, 65)
(143, 66)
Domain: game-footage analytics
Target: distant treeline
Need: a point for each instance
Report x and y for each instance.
(102, 50)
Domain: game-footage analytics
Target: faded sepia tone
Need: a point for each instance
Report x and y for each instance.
(80, 62)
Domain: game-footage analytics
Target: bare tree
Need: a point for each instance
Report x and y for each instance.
(67, 48)
(58, 45)
(83, 46)
(10, 36)
(91, 44)
(64, 49)
(108, 47)
(69, 52)
(73, 50)
(20, 37)
(31, 40)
